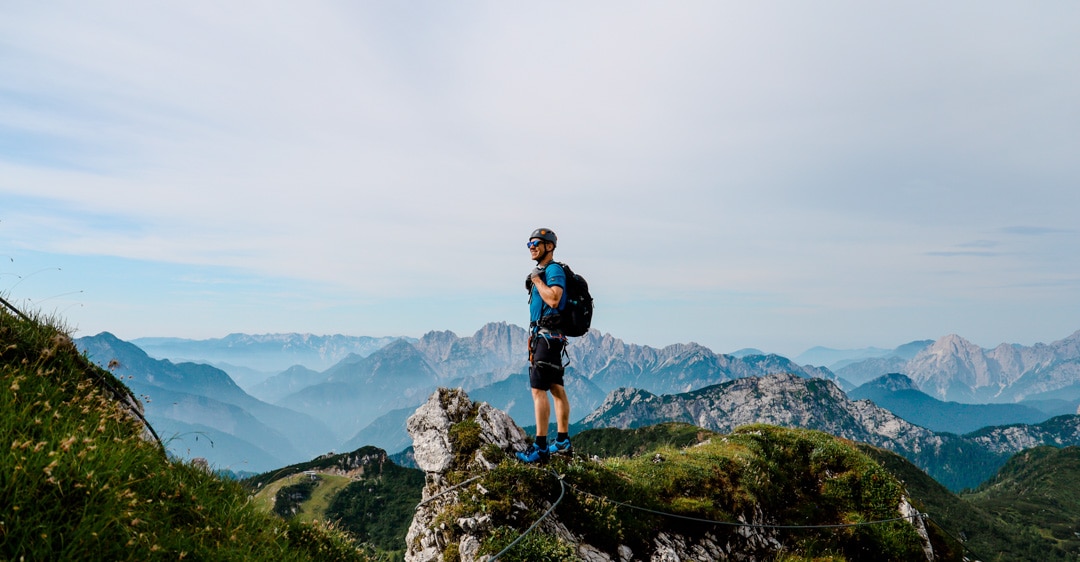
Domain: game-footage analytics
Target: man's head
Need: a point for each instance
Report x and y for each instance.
(541, 243)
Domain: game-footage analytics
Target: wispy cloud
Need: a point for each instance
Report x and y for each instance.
(1034, 230)
(980, 244)
(964, 253)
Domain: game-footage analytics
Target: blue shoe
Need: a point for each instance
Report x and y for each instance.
(561, 448)
(534, 454)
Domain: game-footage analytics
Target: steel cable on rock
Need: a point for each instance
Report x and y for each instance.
(737, 524)
(448, 490)
(963, 544)
(562, 492)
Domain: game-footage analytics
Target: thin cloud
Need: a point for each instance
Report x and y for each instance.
(967, 253)
(1034, 230)
(980, 244)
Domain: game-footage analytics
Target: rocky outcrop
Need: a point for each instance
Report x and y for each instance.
(436, 429)
(430, 428)
(458, 442)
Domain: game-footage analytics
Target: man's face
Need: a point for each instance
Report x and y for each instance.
(536, 248)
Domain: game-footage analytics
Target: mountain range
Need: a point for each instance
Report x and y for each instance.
(835, 359)
(251, 358)
(201, 412)
(955, 369)
(302, 410)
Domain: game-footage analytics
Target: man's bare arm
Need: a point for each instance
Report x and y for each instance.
(550, 294)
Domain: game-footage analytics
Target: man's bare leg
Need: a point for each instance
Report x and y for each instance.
(543, 410)
(562, 408)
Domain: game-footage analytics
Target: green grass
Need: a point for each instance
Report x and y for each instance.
(78, 481)
(612, 442)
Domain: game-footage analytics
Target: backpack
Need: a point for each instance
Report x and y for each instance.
(575, 318)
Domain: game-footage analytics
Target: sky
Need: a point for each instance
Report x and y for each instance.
(774, 175)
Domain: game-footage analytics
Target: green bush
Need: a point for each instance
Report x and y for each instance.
(288, 499)
(531, 548)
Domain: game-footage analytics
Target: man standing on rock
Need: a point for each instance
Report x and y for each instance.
(546, 285)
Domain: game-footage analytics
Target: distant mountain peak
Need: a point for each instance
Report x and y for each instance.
(953, 343)
(893, 382)
(746, 351)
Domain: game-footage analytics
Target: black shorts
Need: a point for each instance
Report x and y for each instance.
(547, 367)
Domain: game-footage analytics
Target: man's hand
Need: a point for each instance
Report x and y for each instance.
(533, 277)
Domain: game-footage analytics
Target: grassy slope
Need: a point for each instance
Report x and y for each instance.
(78, 482)
(313, 509)
(986, 536)
(1038, 493)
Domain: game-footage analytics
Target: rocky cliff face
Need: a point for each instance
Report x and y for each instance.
(459, 443)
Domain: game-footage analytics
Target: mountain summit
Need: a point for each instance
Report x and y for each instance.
(733, 497)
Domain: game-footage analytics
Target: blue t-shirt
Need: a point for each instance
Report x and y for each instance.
(553, 276)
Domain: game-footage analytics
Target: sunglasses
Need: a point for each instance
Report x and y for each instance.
(533, 243)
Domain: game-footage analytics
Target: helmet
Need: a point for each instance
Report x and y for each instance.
(545, 234)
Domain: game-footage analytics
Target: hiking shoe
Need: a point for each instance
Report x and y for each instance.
(561, 448)
(534, 454)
